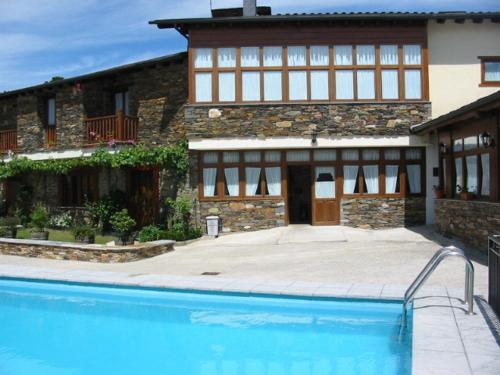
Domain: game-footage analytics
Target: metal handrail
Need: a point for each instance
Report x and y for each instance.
(427, 271)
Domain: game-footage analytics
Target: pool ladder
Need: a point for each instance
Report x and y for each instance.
(444, 252)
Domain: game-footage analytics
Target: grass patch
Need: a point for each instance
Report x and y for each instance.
(63, 236)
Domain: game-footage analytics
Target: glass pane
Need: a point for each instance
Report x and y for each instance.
(343, 55)
(272, 86)
(392, 179)
(457, 145)
(203, 84)
(492, 71)
(210, 157)
(470, 143)
(51, 110)
(226, 57)
(203, 58)
(325, 155)
(320, 55)
(209, 182)
(413, 154)
(344, 85)
(389, 54)
(252, 156)
(227, 87)
(351, 179)
(371, 155)
(252, 177)
(414, 178)
(413, 88)
(365, 55)
(485, 167)
(297, 155)
(273, 180)
(390, 84)
(273, 56)
(459, 181)
(250, 56)
(273, 156)
(350, 155)
(297, 82)
(231, 157)
(324, 186)
(296, 55)
(231, 182)
(366, 84)
(392, 155)
(118, 104)
(250, 86)
(370, 173)
(412, 55)
(319, 85)
(471, 166)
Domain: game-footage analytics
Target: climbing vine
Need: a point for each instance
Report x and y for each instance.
(172, 157)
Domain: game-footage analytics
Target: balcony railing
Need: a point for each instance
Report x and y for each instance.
(8, 140)
(119, 128)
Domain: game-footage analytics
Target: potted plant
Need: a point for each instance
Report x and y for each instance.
(8, 226)
(464, 193)
(123, 224)
(84, 234)
(438, 192)
(39, 221)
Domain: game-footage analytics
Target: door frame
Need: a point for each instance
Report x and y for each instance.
(314, 200)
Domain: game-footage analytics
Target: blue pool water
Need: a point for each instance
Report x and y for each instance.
(62, 329)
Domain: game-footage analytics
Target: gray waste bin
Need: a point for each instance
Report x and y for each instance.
(213, 226)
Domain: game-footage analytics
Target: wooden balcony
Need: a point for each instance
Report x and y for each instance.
(8, 140)
(118, 129)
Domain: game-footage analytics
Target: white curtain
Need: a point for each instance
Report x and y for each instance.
(227, 87)
(458, 173)
(297, 85)
(324, 186)
(273, 156)
(365, 55)
(209, 180)
(273, 179)
(250, 56)
(272, 86)
(250, 86)
(411, 53)
(252, 156)
(350, 155)
(325, 155)
(492, 71)
(390, 84)
(350, 178)
(391, 178)
(392, 155)
(296, 55)
(203, 58)
(389, 54)
(485, 166)
(413, 85)
(343, 55)
(366, 84)
(297, 155)
(203, 82)
(252, 180)
(231, 157)
(273, 56)
(320, 55)
(413, 154)
(371, 178)
(371, 155)
(414, 178)
(319, 85)
(471, 164)
(226, 57)
(210, 157)
(344, 85)
(232, 181)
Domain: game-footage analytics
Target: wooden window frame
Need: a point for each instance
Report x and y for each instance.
(486, 59)
(92, 178)
(331, 68)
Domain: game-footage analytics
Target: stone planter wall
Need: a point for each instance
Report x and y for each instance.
(469, 221)
(87, 253)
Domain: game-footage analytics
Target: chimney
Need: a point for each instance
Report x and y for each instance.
(249, 8)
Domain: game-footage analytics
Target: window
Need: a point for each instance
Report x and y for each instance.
(203, 83)
(227, 87)
(78, 189)
(122, 102)
(324, 184)
(390, 85)
(490, 71)
(250, 86)
(297, 81)
(51, 111)
(272, 86)
(344, 86)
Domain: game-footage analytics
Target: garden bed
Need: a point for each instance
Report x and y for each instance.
(63, 236)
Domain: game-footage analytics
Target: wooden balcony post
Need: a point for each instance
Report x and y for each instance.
(120, 118)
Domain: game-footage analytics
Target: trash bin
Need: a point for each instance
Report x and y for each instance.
(213, 226)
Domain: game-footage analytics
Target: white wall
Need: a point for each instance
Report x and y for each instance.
(454, 67)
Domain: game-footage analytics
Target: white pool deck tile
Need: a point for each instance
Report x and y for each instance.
(445, 339)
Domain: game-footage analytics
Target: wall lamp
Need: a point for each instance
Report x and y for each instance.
(487, 140)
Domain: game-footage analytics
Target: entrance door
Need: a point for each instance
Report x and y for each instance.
(325, 204)
(299, 194)
(143, 196)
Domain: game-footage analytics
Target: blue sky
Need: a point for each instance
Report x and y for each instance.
(40, 39)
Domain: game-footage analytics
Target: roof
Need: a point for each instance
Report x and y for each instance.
(182, 25)
(486, 104)
(90, 76)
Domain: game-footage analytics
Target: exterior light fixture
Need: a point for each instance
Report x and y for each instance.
(314, 139)
(443, 148)
(486, 140)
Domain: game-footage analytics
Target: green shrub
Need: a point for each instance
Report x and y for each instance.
(62, 220)
(83, 231)
(122, 223)
(179, 220)
(40, 218)
(151, 233)
(100, 212)
(24, 206)
(183, 235)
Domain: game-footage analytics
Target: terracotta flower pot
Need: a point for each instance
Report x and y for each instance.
(466, 196)
(438, 194)
(86, 239)
(44, 236)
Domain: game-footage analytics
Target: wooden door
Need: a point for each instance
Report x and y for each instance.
(325, 207)
(144, 196)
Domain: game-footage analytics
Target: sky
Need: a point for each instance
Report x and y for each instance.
(40, 39)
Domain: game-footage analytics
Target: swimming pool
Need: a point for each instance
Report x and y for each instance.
(57, 328)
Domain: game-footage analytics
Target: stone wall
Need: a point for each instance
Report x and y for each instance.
(366, 119)
(372, 213)
(8, 114)
(86, 253)
(469, 221)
